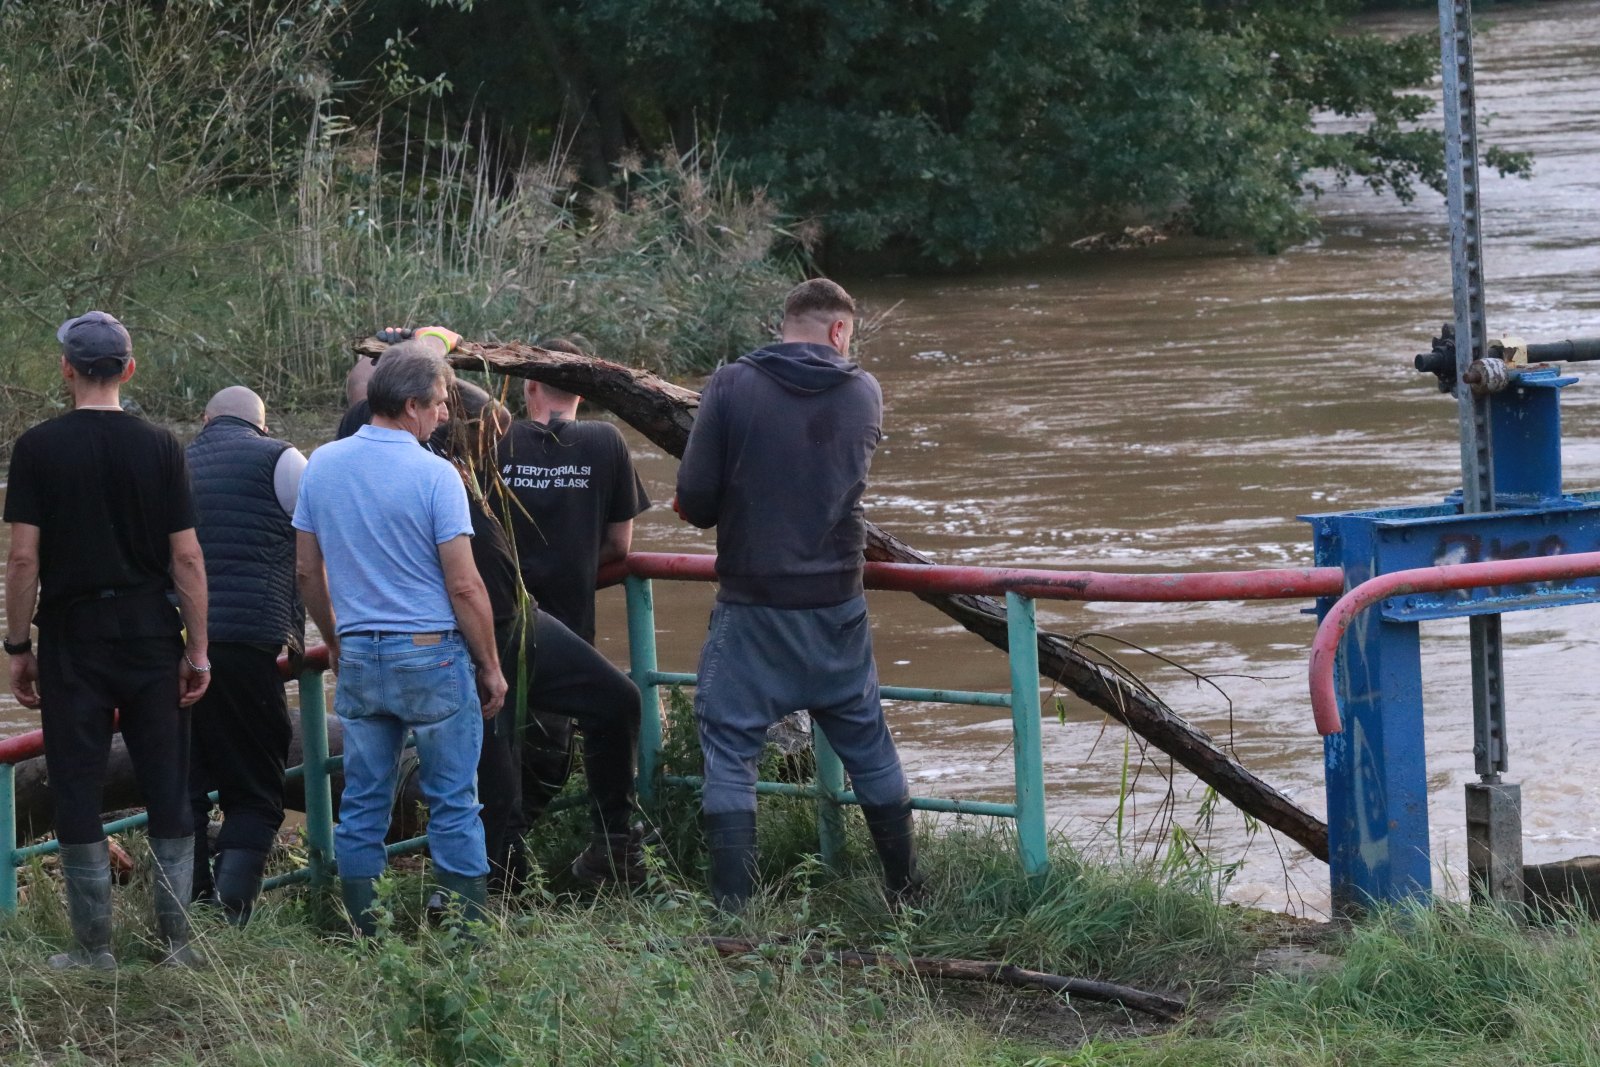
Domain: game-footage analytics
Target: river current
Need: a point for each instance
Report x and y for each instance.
(1175, 408)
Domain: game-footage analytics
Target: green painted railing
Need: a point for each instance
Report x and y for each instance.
(828, 788)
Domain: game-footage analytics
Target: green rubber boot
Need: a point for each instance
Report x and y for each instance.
(358, 895)
(469, 894)
(86, 869)
(172, 881)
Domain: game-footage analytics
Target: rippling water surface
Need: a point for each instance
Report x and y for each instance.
(1175, 409)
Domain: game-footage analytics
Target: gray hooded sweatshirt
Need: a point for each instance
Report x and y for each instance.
(777, 462)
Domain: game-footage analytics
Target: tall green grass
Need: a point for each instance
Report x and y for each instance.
(194, 169)
(571, 978)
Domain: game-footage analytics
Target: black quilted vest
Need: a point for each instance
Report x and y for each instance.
(246, 537)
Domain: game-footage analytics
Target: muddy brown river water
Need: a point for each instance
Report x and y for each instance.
(1175, 409)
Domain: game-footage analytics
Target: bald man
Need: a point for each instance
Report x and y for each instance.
(245, 484)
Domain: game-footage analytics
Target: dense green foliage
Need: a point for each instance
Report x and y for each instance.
(959, 129)
(200, 173)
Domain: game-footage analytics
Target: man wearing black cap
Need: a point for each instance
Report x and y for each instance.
(102, 532)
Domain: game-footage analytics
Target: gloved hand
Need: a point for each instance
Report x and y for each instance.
(449, 337)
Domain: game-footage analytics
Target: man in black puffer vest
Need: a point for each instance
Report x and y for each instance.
(245, 484)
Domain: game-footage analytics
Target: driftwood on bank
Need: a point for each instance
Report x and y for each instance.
(664, 413)
(1166, 1008)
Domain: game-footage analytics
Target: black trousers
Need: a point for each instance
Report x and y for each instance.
(571, 679)
(241, 739)
(82, 681)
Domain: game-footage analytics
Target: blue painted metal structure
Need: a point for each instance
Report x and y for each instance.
(1376, 768)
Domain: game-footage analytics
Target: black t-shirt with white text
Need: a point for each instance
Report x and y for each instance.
(570, 480)
(106, 490)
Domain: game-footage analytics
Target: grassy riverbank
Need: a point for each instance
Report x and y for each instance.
(568, 978)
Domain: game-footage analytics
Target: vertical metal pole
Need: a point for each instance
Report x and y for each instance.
(642, 666)
(1495, 839)
(319, 788)
(830, 783)
(1027, 749)
(8, 839)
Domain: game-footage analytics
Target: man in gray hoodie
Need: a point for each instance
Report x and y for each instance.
(777, 462)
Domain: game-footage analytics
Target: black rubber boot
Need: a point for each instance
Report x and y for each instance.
(358, 895)
(894, 835)
(239, 875)
(613, 858)
(469, 894)
(86, 869)
(202, 888)
(170, 886)
(731, 839)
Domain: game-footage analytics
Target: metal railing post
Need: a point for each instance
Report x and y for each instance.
(319, 787)
(642, 668)
(830, 783)
(1027, 749)
(8, 839)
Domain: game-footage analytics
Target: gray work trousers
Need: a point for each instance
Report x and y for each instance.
(760, 664)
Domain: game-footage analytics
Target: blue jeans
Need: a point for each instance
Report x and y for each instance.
(388, 686)
(759, 664)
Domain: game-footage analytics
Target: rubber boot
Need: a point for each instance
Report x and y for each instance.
(731, 839)
(894, 835)
(86, 869)
(613, 858)
(358, 895)
(239, 875)
(171, 884)
(470, 894)
(202, 889)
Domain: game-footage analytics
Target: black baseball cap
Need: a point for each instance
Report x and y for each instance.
(96, 344)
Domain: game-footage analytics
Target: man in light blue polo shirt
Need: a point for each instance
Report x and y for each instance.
(385, 567)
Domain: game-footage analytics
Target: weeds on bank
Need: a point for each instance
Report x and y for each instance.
(557, 977)
(1451, 986)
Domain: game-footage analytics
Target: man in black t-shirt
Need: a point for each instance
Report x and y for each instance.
(562, 680)
(575, 496)
(102, 531)
(578, 496)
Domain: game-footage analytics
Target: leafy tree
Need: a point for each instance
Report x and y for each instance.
(961, 129)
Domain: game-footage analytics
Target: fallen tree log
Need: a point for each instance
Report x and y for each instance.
(36, 811)
(664, 413)
(1168, 1009)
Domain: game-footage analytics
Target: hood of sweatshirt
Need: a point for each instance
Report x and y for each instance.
(801, 367)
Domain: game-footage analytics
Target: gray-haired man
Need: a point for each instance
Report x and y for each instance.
(386, 570)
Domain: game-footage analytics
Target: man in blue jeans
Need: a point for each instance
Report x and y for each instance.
(385, 567)
(777, 462)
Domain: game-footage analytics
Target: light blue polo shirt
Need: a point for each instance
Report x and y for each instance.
(380, 505)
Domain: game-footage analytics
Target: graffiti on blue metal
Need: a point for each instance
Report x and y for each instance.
(1382, 541)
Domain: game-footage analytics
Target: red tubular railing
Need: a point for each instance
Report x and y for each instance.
(1325, 646)
(1286, 584)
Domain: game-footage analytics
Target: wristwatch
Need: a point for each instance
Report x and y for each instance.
(25, 645)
